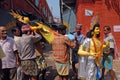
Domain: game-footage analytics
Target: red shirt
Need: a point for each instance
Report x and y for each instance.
(61, 47)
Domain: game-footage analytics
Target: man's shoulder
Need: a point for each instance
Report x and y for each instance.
(59, 36)
(10, 38)
(110, 38)
(82, 35)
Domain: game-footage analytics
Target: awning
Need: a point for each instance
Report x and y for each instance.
(6, 19)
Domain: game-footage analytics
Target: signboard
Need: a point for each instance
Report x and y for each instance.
(88, 12)
(116, 28)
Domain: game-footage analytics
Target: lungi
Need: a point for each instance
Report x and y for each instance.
(62, 69)
(29, 67)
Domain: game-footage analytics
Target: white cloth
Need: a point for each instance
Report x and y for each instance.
(83, 60)
(82, 67)
(91, 69)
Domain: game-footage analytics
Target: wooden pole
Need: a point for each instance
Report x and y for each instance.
(61, 11)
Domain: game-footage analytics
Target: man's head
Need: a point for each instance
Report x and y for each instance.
(26, 29)
(61, 29)
(78, 28)
(3, 32)
(16, 31)
(107, 30)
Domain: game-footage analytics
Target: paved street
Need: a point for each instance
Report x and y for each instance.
(52, 74)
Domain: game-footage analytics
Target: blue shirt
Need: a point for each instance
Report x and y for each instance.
(79, 39)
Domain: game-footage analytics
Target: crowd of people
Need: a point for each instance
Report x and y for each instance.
(21, 57)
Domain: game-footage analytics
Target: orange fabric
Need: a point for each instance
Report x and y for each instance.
(99, 54)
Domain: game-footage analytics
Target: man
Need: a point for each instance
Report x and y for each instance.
(108, 52)
(79, 37)
(61, 52)
(10, 61)
(16, 32)
(17, 35)
(26, 47)
(41, 62)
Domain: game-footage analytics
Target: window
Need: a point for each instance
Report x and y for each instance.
(36, 2)
(44, 11)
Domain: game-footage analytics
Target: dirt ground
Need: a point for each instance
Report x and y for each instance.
(51, 73)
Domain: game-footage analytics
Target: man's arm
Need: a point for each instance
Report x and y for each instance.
(111, 50)
(0, 64)
(70, 43)
(17, 58)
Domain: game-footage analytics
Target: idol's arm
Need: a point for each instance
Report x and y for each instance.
(81, 52)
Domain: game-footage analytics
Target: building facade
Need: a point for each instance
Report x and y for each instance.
(69, 13)
(108, 11)
(39, 8)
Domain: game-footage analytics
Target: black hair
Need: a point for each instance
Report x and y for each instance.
(107, 28)
(89, 34)
(13, 30)
(96, 25)
(61, 27)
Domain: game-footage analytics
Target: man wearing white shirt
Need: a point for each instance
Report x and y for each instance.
(10, 61)
(17, 35)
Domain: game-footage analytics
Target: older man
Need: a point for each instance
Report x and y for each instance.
(79, 37)
(11, 59)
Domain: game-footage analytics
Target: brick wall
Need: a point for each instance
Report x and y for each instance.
(107, 17)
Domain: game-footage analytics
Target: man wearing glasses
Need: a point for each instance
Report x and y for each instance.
(108, 53)
(79, 37)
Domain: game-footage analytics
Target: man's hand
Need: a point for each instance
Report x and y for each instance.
(17, 63)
